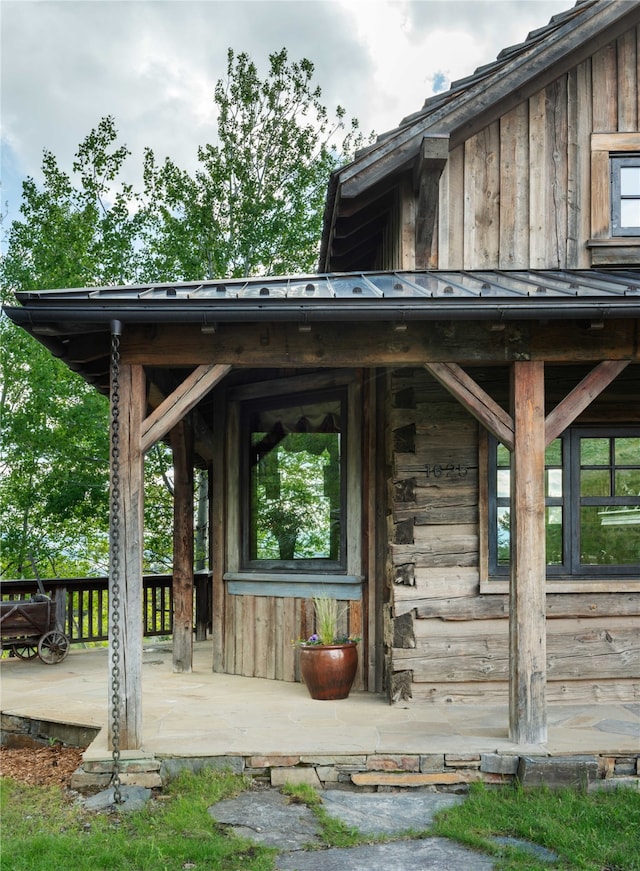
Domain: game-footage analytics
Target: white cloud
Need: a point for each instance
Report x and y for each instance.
(153, 64)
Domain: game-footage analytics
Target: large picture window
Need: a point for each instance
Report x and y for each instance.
(296, 495)
(293, 487)
(592, 505)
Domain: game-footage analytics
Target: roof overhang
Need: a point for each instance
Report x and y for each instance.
(357, 296)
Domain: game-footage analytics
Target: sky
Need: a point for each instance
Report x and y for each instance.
(153, 65)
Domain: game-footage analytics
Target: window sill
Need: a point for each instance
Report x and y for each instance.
(615, 585)
(616, 251)
(293, 585)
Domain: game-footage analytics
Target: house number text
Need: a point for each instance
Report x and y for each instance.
(446, 470)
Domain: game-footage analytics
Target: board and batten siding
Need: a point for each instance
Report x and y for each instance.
(518, 194)
(261, 632)
(449, 642)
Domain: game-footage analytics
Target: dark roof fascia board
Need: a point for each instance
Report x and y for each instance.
(530, 69)
(69, 319)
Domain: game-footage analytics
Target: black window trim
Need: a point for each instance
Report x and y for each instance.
(338, 566)
(617, 162)
(300, 583)
(571, 570)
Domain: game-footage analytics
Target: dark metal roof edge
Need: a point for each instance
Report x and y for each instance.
(336, 310)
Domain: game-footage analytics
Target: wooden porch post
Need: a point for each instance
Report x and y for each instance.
(128, 546)
(183, 529)
(527, 603)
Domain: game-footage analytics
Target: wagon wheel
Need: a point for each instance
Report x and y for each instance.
(53, 647)
(25, 650)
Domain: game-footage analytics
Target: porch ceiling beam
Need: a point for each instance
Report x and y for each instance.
(180, 402)
(581, 397)
(477, 342)
(477, 401)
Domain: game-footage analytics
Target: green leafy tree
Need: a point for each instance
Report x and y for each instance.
(255, 204)
(54, 449)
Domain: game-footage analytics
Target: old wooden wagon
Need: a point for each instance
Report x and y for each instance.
(28, 628)
(460, 385)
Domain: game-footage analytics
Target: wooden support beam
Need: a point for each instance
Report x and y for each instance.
(581, 397)
(182, 447)
(180, 402)
(477, 402)
(467, 343)
(128, 551)
(527, 619)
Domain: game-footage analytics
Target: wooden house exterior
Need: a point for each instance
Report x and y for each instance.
(510, 169)
(468, 361)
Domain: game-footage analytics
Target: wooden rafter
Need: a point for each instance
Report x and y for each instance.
(499, 423)
(477, 401)
(581, 397)
(180, 402)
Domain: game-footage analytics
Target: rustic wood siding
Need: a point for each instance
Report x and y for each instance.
(261, 631)
(254, 634)
(448, 641)
(518, 194)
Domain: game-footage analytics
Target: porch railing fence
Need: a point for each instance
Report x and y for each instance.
(82, 604)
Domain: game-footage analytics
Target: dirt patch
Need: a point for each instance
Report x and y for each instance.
(41, 766)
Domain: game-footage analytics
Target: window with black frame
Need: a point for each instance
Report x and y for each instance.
(294, 506)
(625, 195)
(592, 504)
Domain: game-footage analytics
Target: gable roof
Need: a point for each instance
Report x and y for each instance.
(472, 102)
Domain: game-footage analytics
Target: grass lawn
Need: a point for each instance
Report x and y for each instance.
(595, 832)
(44, 830)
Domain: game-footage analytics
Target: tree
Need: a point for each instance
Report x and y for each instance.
(55, 455)
(53, 465)
(255, 204)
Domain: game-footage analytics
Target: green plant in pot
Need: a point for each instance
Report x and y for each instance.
(328, 659)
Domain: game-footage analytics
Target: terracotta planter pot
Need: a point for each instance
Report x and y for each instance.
(328, 670)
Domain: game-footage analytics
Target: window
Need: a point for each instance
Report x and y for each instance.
(592, 502)
(293, 488)
(294, 505)
(625, 195)
(615, 199)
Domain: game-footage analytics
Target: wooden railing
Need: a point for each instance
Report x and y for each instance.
(82, 605)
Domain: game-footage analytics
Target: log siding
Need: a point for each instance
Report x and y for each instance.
(448, 641)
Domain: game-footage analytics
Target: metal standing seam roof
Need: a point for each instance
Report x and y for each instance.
(356, 296)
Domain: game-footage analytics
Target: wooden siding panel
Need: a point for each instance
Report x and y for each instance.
(493, 692)
(261, 631)
(481, 199)
(605, 80)
(538, 188)
(574, 651)
(514, 189)
(557, 172)
(541, 171)
(627, 84)
(456, 640)
(579, 124)
(451, 239)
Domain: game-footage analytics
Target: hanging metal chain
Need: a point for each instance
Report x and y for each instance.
(114, 527)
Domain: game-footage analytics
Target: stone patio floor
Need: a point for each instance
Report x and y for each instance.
(205, 714)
